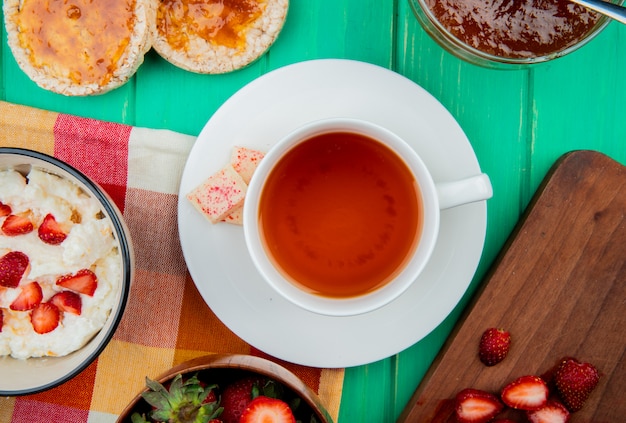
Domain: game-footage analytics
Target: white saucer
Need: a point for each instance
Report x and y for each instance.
(264, 111)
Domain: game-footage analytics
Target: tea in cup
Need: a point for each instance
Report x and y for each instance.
(342, 215)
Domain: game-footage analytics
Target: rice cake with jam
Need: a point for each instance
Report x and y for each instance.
(217, 36)
(79, 48)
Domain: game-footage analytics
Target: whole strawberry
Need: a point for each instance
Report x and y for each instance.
(237, 396)
(575, 381)
(494, 346)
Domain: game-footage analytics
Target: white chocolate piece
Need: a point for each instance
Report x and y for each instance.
(219, 195)
(245, 160)
(236, 217)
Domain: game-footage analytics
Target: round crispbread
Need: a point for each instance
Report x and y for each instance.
(183, 40)
(81, 47)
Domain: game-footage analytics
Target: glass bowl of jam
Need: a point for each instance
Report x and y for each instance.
(508, 33)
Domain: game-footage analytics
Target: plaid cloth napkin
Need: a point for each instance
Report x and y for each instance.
(166, 322)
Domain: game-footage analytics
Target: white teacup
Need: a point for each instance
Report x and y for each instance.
(354, 225)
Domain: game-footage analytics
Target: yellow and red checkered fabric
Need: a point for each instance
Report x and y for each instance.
(166, 322)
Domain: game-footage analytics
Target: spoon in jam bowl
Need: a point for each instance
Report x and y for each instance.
(611, 10)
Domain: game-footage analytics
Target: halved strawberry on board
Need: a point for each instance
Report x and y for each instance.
(476, 406)
(45, 318)
(13, 265)
(67, 301)
(267, 410)
(29, 297)
(525, 393)
(551, 412)
(17, 224)
(50, 231)
(84, 281)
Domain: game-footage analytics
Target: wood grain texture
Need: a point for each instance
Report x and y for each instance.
(559, 287)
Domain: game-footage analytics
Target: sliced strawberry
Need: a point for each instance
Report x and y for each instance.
(5, 209)
(50, 231)
(45, 318)
(476, 406)
(29, 297)
(494, 346)
(267, 410)
(1, 319)
(17, 224)
(67, 301)
(551, 412)
(525, 393)
(13, 265)
(84, 282)
(575, 381)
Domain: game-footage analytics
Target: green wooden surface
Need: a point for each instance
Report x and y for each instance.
(519, 122)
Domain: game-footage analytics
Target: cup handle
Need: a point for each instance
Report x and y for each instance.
(468, 190)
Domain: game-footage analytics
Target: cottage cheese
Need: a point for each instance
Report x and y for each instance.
(90, 244)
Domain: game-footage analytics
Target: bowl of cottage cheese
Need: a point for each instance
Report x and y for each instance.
(66, 265)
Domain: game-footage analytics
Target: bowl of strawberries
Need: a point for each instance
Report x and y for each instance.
(226, 388)
(66, 265)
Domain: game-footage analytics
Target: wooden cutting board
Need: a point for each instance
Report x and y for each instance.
(559, 287)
